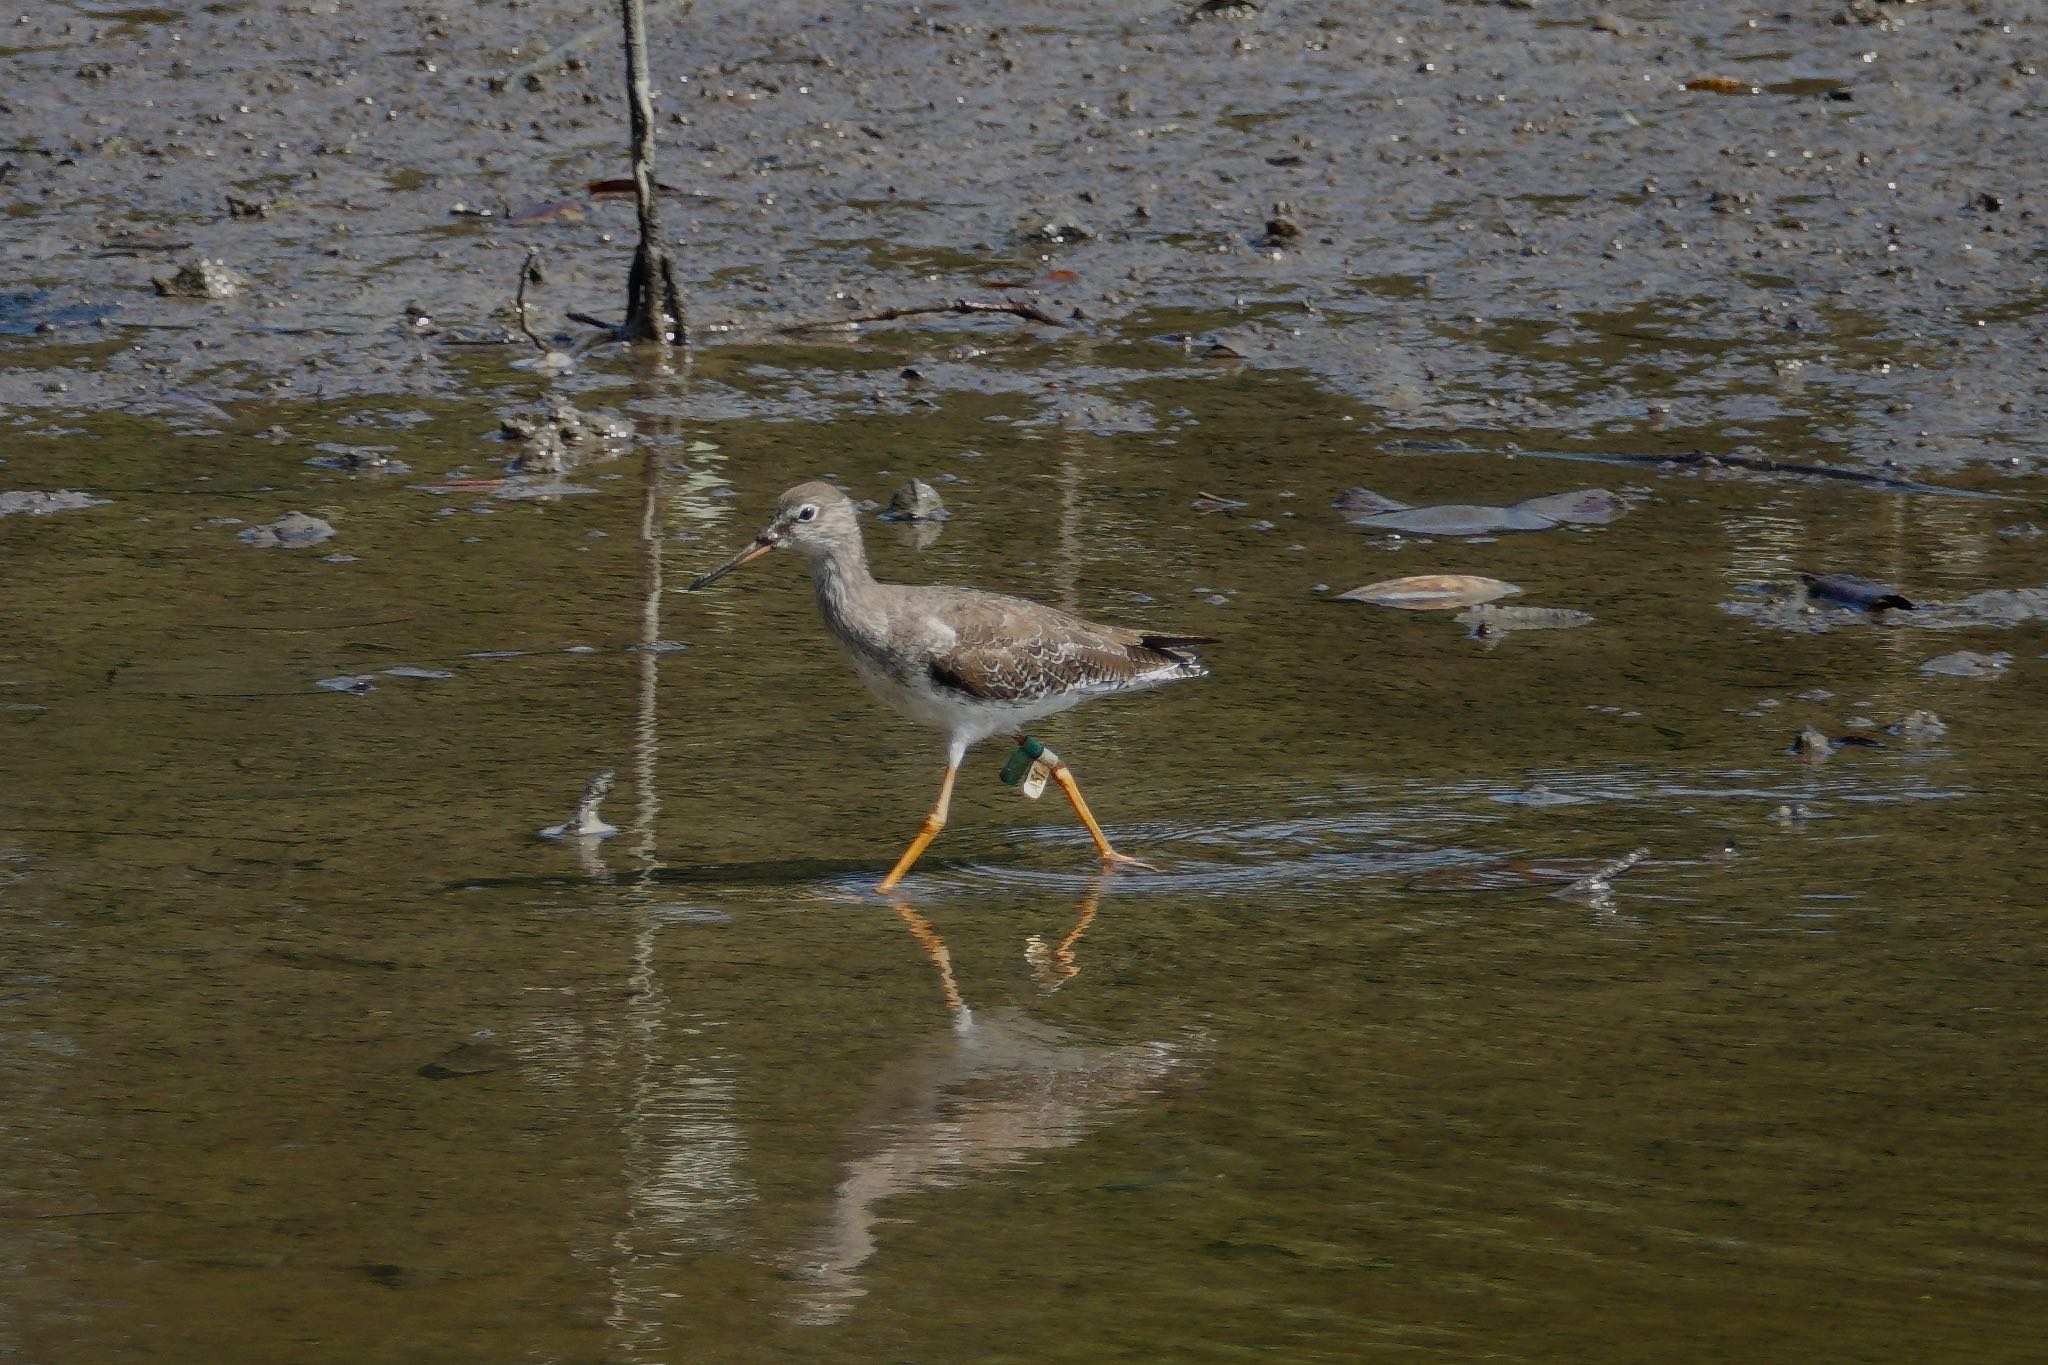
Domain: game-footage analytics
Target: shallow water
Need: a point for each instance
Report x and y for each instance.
(315, 1053)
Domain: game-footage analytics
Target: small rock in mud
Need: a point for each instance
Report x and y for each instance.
(292, 531)
(1056, 233)
(1848, 590)
(356, 684)
(1281, 229)
(1796, 813)
(1919, 727)
(916, 501)
(1813, 746)
(560, 436)
(37, 504)
(201, 278)
(1967, 663)
(358, 459)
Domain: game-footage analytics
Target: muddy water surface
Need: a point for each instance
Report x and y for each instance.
(314, 1053)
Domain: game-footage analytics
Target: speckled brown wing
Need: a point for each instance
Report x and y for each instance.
(1020, 655)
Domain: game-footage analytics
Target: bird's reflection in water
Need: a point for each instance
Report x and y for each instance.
(988, 1089)
(1058, 964)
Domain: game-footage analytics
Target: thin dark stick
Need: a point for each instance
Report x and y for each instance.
(654, 305)
(529, 273)
(1028, 312)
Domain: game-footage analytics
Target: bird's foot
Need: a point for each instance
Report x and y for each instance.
(1111, 859)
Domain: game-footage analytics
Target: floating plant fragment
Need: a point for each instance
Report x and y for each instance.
(292, 531)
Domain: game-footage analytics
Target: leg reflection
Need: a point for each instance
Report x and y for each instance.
(1055, 966)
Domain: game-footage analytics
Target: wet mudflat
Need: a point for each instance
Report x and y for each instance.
(315, 613)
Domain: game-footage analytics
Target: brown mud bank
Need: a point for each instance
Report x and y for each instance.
(1808, 231)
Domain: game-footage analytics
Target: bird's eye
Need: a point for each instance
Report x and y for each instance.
(807, 513)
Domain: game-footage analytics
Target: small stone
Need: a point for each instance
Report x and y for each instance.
(200, 278)
(1813, 746)
(292, 531)
(916, 501)
(1919, 727)
(37, 504)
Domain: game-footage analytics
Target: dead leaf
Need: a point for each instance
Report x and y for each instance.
(1430, 592)
(1721, 85)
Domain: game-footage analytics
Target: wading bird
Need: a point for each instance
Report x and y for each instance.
(968, 663)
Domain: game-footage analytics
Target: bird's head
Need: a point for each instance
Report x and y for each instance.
(811, 518)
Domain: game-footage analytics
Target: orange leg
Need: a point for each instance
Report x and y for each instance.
(1110, 857)
(933, 823)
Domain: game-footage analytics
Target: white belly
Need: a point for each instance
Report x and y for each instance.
(963, 718)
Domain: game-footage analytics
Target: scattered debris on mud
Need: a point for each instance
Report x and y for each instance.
(559, 437)
(202, 279)
(916, 501)
(292, 531)
(35, 504)
(1967, 663)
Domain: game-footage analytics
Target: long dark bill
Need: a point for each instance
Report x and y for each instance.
(752, 552)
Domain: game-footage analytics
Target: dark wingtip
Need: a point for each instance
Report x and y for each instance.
(1177, 641)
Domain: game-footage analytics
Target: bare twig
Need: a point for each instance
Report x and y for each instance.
(529, 273)
(654, 305)
(1029, 312)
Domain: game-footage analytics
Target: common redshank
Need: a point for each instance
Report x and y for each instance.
(969, 663)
